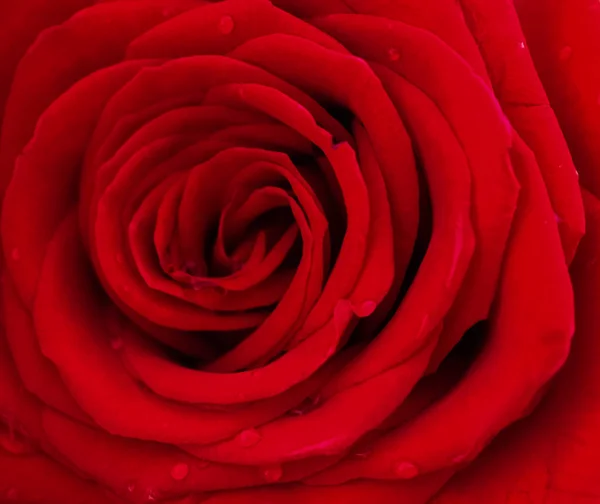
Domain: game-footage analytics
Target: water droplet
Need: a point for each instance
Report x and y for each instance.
(170, 12)
(522, 45)
(180, 471)
(330, 351)
(15, 255)
(405, 470)
(363, 454)
(199, 284)
(201, 464)
(460, 458)
(393, 54)
(306, 406)
(190, 267)
(130, 487)
(364, 309)
(151, 495)
(565, 53)
(116, 343)
(249, 437)
(12, 494)
(226, 25)
(273, 473)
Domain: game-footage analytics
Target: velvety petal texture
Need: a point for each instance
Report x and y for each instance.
(299, 251)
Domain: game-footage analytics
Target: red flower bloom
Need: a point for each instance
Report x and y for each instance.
(300, 251)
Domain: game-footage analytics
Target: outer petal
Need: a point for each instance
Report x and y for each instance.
(564, 39)
(495, 27)
(552, 457)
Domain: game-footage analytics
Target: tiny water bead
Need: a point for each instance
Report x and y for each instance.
(190, 267)
(226, 25)
(273, 473)
(151, 495)
(393, 54)
(522, 45)
(201, 283)
(364, 309)
(306, 406)
(130, 487)
(460, 458)
(116, 343)
(180, 471)
(405, 470)
(170, 11)
(565, 53)
(249, 437)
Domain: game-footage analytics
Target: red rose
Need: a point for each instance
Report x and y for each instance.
(299, 252)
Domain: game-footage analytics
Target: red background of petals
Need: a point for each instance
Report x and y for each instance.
(539, 59)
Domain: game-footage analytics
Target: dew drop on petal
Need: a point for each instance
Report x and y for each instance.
(15, 255)
(405, 470)
(565, 53)
(393, 54)
(249, 437)
(169, 12)
(226, 25)
(306, 406)
(331, 351)
(180, 471)
(364, 309)
(460, 458)
(199, 284)
(522, 45)
(189, 267)
(116, 343)
(151, 495)
(130, 487)
(273, 473)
